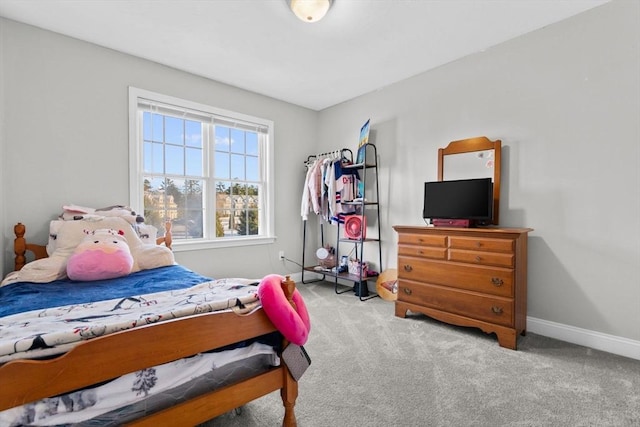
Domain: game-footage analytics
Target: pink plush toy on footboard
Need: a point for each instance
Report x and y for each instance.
(292, 320)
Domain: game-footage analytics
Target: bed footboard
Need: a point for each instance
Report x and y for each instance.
(218, 402)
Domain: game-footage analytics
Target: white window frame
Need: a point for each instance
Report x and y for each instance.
(136, 171)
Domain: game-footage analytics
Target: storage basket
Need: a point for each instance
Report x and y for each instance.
(326, 257)
(355, 265)
(328, 262)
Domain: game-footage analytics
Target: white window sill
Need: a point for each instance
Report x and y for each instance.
(199, 244)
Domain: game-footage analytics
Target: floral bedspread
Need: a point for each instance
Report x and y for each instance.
(51, 331)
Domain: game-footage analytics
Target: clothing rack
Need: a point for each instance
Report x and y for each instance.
(367, 166)
(341, 153)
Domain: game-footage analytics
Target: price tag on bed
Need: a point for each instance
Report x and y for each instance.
(297, 360)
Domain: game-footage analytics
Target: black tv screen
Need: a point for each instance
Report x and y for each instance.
(459, 199)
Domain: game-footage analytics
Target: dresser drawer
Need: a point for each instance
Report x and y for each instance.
(481, 244)
(490, 280)
(482, 258)
(481, 307)
(421, 239)
(423, 251)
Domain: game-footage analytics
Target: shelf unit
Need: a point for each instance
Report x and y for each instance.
(366, 167)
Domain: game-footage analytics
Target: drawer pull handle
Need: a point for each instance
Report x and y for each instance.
(497, 281)
(496, 309)
(478, 258)
(407, 291)
(420, 252)
(407, 267)
(478, 245)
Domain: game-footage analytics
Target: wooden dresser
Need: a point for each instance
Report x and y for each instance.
(465, 276)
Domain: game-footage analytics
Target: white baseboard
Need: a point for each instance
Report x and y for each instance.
(596, 340)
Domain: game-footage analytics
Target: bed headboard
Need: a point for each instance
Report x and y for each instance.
(21, 246)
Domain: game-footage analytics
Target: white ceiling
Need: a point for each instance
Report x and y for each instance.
(260, 45)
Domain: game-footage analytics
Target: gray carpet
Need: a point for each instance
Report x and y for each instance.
(370, 368)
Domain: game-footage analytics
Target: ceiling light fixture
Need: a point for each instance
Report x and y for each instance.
(310, 10)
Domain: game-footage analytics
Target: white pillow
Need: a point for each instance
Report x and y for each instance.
(39, 271)
(147, 233)
(54, 228)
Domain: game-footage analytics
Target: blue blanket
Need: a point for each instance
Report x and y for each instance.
(25, 296)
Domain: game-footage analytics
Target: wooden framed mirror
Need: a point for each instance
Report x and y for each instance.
(473, 158)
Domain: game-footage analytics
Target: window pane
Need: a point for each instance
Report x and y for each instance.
(185, 227)
(194, 224)
(234, 216)
(237, 167)
(193, 134)
(237, 141)
(193, 194)
(153, 158)
(252, 143)
(253, 169)
(221, 165)
(173, 193)
(254, 193)
(146, 126)
(246, 223)
(173, 129)
(175, 160)
(194, 161)
(147, 157)
(156, 202)
(194, 207)
(237, 190)
(223, 206)
(153, 185)
(222, 138)
(222, 187)
(157, 132)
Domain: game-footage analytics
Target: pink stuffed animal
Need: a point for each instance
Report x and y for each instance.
(292, 322)
(103, 254)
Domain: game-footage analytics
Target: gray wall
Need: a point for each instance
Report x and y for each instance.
(564, 100)
(65, 139)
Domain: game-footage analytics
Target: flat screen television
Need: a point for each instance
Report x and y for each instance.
(463, 199)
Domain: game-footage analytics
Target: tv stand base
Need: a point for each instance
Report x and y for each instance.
(462, 223)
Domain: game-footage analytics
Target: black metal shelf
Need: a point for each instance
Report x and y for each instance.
(360, 203)
(345, 276)
(360, 165)
(366, 168)
(346, 240)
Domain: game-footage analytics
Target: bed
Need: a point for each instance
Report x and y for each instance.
(103, 359)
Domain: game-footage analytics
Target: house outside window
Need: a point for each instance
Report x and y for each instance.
(206, 171)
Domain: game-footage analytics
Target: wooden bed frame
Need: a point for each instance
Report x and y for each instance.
(110, 356)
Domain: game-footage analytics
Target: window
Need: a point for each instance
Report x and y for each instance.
(204, 170)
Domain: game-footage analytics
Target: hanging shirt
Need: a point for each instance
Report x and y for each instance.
(342, 189)
(305, 205)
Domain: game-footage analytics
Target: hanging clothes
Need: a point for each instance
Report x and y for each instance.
(327, 185)
(313, 190)
(342, 188)
(305, 206)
